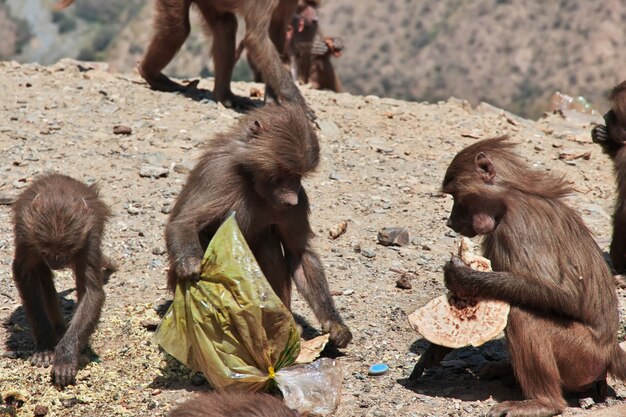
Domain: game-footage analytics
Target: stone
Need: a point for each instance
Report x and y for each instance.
(393, 236)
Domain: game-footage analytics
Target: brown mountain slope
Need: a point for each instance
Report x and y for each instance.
(510, 53)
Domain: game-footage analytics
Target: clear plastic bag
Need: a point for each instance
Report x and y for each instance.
(313, 388)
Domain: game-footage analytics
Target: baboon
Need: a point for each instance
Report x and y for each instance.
(309, 51)
(59, 223)
(611, 137)
(562, 328)
(255, 169)
(172, 27)
(305, 51)
(231, 404)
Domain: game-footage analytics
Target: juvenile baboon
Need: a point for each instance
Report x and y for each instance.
(255, 169)
(562, 328)
(309, 51)
(612, 137)
(59, 223)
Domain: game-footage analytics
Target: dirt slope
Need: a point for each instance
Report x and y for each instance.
(382, 164)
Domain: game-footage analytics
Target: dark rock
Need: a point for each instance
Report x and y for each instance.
(404, 282)
(393, 236)
(41, 410)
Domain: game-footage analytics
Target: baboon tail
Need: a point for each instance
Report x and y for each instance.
(617, 367)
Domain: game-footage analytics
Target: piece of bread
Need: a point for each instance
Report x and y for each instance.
(454, 322)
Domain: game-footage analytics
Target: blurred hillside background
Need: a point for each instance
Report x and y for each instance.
(511, 53)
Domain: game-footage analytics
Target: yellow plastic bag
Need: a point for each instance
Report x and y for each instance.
(230, 324)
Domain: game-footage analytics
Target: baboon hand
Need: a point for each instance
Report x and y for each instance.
(454, 271)
(188, 268)
(599, 134)
(340, 335)
(64, 370)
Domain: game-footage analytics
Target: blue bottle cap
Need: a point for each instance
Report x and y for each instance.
(378, 369)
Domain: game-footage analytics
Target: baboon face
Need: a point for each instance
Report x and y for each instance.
(280, 192)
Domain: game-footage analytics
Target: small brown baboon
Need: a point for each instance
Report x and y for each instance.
(59, 223)
(231, 404)
(255, 169)
(612, 137)
(172, 27)
(562, 328)
(309, 51)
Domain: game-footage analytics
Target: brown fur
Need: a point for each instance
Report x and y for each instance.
(612, 137)
(59, 223)
(231, 404)
(562, 328)
(309, 51)
(254, 169)
(322, 75)
(281, 18)
(303, 48)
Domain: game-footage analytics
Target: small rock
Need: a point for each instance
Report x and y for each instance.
(166, 209)
(122, 130)
(338, 230)
(393, 236)
(368, 253)
(149, 325)
(132, 209)
(181, 168)
(158, 250)
(404, 283)
(349, 291)
(41, 410)
(333, 176)
(70, 402)
(151, 171)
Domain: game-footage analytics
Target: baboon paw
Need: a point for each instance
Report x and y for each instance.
(189, 268)
(109, 264)
(64, 374)
(599, 134)
(42, 358)
(340, 335)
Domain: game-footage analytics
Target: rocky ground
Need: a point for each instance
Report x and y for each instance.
(382, 164)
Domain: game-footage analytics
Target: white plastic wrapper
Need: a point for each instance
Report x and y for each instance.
(313, 388)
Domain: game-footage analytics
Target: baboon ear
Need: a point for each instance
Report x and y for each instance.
(37, 202)
(485, 167)
(256, 128)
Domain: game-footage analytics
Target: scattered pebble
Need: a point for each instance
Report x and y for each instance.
(150, 171)
(122, 130)
(393, 236)
(41, 410)
(404, 283)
